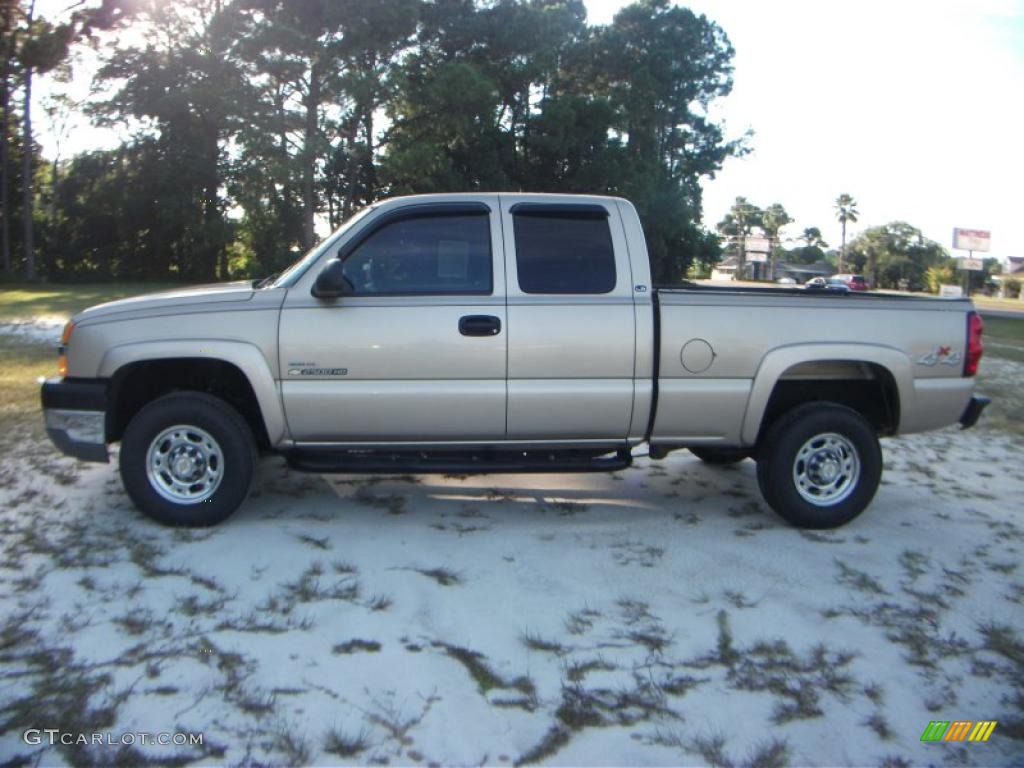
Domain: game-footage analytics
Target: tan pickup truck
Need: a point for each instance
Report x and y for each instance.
(503, 333)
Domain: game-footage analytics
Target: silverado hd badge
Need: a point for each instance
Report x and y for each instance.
(310, 369)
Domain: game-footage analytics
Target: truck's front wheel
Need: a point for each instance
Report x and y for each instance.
(819, 465)
(188, 459)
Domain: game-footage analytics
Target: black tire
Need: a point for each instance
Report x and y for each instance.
(720, 456)
(777, 467)
(235, 461)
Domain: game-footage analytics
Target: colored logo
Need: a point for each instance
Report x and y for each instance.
(941, 356)
(958, 730)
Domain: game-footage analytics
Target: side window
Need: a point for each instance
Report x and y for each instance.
(424, 254)
(564, 252)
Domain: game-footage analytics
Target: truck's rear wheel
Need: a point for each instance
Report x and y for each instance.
(188, 459)
(819, 465)
(720, 456)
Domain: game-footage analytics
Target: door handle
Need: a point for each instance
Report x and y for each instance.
(479, 325)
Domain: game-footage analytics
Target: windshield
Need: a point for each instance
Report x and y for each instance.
(296, 270)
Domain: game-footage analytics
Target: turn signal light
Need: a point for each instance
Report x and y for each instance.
(975, 348)
(65, 337)
(62, 357)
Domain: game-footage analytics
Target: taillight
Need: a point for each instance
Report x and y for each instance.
(974, 346)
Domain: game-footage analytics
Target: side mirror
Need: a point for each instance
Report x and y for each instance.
(331, 282)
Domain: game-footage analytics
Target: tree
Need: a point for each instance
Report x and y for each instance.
(773, 220)
(736, 226)
(180, 84)
(251, 118)
(895, 255)
(520, 94)
(31, 45)
(43, 46)
(846, 211)
(812, 238)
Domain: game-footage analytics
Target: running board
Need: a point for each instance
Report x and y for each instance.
(480, 462)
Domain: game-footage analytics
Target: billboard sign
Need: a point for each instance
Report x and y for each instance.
(758, 245)
(971, 239)
(975, 265)
(757, 256)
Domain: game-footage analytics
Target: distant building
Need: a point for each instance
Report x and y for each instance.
(725, 269)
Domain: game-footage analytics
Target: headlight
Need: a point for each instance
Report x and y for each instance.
(62, 357)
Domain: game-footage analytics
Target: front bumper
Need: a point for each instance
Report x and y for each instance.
(973, 411)
(75, 411)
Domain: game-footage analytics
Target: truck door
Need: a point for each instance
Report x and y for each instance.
(417, 352)
(571, 325)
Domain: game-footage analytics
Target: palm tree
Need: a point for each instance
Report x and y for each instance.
(846, 210)
(812, 236)
(774, 219)
(736, 225)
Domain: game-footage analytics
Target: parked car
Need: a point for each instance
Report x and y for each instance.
(503, 333)
(853, 282)
(829, 284)
(786, 281)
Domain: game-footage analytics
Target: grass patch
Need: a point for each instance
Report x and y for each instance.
(796, 681)
(443, 576)
(357, 646)
(21, 365)
(535, 642)
(379, 603)
(487, 679)
(577, 671)
(24, 301)
(556, 738)
(340, 744)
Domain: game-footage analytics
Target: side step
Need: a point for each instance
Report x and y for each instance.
(493, 461)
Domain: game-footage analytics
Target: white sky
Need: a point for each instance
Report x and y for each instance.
(915, 108)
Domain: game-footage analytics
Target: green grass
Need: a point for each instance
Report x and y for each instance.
(21, 365)
(1004, 337)
(994, 302)
(24, 301)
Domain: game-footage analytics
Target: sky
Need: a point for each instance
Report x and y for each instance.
(915, 108)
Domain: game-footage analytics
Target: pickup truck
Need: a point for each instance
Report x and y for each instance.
(503, 333)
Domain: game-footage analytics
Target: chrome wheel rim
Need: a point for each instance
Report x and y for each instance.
(184, 464)
(826, 469)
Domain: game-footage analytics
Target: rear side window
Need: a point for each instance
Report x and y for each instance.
(424, 254)
(560, 250)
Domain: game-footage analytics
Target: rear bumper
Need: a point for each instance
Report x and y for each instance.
(75, 411)
(973, 411)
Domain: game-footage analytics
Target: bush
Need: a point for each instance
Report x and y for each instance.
(1011, 288)
(936, 276)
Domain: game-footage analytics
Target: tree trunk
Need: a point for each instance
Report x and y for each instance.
(842, 248)
(741, 264)
(26, 181)
(369, 171)
(309, 159)
(5, 157)
(5, 171)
